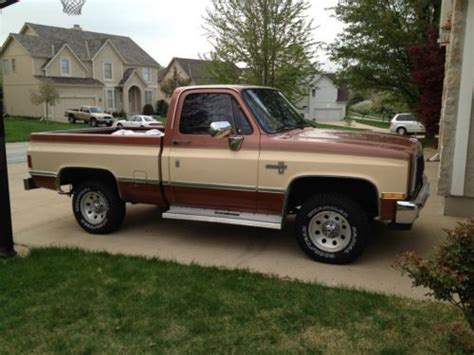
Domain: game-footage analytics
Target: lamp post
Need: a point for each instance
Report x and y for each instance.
(6, 232)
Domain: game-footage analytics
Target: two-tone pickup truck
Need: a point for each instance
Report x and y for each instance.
(239, 155)
(92, 115)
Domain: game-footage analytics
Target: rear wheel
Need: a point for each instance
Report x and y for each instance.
(119, 125)
(332, 228)
(402, 131)
(93, 122)
(98, 207)
(71, 119)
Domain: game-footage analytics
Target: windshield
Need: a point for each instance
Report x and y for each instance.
(272, 110)
(95, 109)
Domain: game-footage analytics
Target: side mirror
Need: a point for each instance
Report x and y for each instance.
(220, 129)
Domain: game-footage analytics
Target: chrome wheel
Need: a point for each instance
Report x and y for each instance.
(94, 207)
(330, 231)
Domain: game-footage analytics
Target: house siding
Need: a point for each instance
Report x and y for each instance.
(18, 85)
(108, 55)
(54, 67)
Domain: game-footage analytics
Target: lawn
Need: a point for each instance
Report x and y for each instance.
(18, 129)
(374, 123)
(67, 301)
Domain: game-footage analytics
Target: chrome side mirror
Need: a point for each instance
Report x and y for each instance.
(220, 129)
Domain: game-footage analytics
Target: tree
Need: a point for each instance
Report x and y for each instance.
(272, 39)
(175, 81)
(372, 49)
(46, 94)
(427, 70)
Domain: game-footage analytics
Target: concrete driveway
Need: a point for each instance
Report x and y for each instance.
(16, 152)
(44, 218)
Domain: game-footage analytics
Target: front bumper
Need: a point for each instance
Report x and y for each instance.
(408, 211)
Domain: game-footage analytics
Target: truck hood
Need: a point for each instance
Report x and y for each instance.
(344, 142)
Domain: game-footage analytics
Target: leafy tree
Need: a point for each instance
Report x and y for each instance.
(427, 60)
(372, 49)
(46, 94)
(271, 38)
(175, 81)
(221, 72)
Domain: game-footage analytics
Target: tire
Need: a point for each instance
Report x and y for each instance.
(402, 131)
(332, 229)
(119, 125)
(71, 119)
(98, 208)
(93, 122)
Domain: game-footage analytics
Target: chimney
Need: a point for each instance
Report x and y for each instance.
(52, 50)
(77, 27)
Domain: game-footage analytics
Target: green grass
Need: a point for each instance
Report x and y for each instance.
(330, 126)
(372, 123)
(67, 301)
(18, 129)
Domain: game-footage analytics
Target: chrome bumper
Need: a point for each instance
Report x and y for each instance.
(408, 211)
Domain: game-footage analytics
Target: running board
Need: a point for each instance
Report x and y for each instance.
(222, 216)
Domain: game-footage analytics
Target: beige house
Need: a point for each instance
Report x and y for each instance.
(88, 68)
(456, 173)
(196, 70)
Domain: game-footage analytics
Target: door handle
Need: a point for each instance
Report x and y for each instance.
(177, 142)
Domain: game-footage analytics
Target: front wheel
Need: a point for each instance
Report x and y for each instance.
(98, 207)
(93, 122)
(332, 228)
(71, 119)
(402, 131)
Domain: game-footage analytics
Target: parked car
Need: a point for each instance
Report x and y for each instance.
(137, 121)
(239, 155)
(92, 115)
(406, 123)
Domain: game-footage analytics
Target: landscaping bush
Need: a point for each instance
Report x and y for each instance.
(449, 273)
(162, 108)
(363, 107)
(148, 110)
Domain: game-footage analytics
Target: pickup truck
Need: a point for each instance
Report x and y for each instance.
(239, 155)
(92, 115)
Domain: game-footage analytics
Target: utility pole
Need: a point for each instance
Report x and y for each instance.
(6, 231)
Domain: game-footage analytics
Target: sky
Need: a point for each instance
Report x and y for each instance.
(165, 29)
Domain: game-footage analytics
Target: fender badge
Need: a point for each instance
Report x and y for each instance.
(281, 167)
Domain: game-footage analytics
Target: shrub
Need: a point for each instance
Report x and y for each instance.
(162, 108)
(148, 110)
(363, 107)
(449, 273)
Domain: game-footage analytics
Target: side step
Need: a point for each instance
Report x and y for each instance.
(223, 216)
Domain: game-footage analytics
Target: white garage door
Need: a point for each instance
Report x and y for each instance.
(67, 103)
(328, 114)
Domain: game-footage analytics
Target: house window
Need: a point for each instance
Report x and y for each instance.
(146, 74)
(5, 66)
(65, 67)
(110, 99)
(313, 92)
(148, 97)
(13, 65)
(108, 73)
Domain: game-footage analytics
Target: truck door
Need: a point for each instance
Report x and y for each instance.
(205, 172)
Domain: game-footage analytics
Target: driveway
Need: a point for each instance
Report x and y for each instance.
(43, 218)
(16, 152)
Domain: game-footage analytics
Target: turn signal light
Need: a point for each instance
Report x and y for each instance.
(393, 196)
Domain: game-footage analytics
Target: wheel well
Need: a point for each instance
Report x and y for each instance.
(76, 176)
(362, 191)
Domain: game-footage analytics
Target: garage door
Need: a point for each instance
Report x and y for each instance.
(328, 114)
(67, 103)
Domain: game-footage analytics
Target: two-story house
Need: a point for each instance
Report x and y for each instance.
(325, 101)
(87, 68)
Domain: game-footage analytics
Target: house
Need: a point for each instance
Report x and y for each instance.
(325, 101)
(195, 70)
(456, 173)
(87, 68)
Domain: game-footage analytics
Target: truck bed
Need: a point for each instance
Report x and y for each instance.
(64, 152)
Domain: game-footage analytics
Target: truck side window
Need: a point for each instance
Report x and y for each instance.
(200, 110)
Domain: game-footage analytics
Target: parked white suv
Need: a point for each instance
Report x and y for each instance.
(406, 123)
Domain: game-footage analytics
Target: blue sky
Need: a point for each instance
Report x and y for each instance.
(165, 29)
